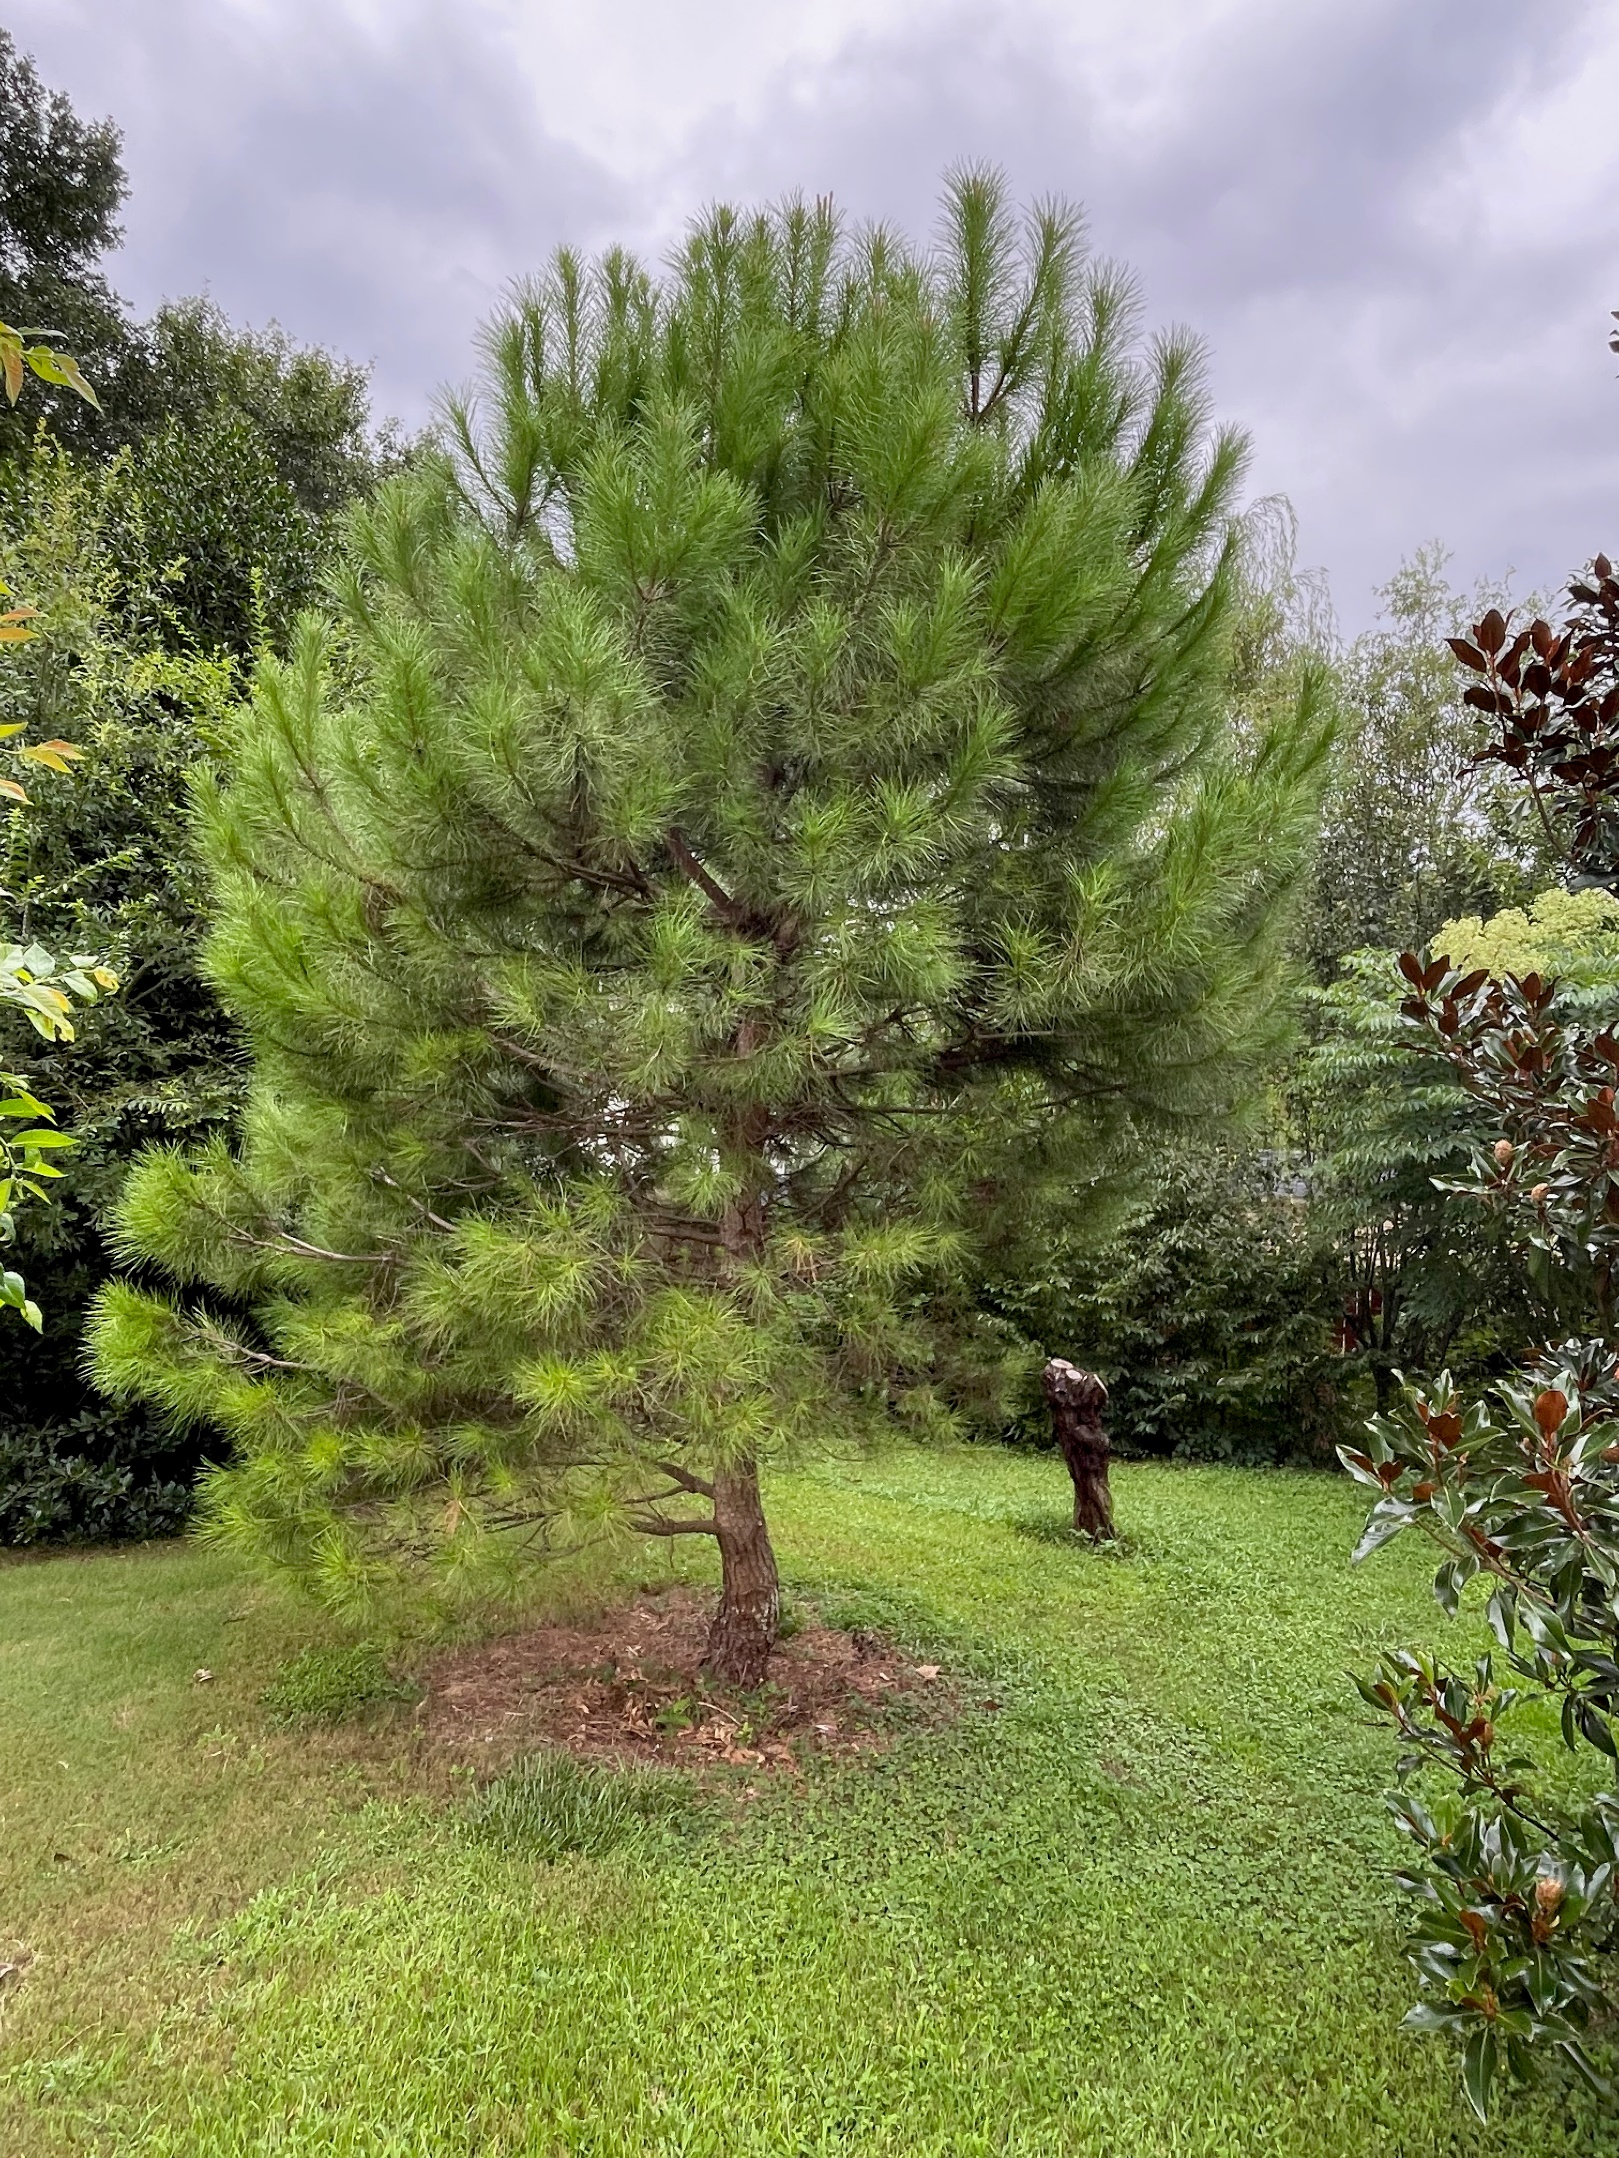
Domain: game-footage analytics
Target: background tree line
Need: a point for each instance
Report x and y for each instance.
(165, 537)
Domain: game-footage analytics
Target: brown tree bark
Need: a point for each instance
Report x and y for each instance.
(1077, 1399)
(744, 1627)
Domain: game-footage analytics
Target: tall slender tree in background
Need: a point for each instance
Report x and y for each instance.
(61, 188)
(764, 807)
(1414, 832)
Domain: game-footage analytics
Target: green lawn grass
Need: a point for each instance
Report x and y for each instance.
(1140, 1907)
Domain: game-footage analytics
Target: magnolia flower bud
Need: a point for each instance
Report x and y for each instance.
(1504, 1151)
(1549, 1892)
(1539, 1192)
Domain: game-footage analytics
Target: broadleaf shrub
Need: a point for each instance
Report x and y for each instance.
(1208, 1313)
(1517, 1872)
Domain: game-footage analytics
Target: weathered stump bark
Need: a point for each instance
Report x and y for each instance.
(744, 1628)
(1077, 1399)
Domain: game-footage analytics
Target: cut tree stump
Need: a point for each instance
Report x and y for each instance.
(1077, 1399)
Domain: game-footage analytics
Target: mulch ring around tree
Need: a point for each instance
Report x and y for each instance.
(629, 1687)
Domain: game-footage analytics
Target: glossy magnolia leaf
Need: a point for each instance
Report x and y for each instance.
(1449, 1582)
(1480, 2065)
(1388, 1517)
(1502, 1613)
(1431, 2016)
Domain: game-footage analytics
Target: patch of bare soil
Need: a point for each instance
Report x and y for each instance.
(629, 1687)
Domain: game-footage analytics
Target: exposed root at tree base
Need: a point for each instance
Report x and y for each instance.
(629, 1687)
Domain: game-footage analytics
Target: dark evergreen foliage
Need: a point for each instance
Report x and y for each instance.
(100, 861)
(1211, 1313)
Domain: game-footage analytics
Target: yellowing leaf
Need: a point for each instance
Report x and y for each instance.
(75, 381)
(11, 792)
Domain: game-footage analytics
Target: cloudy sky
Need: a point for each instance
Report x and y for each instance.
(1394, 222)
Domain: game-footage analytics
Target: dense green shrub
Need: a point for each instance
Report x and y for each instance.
(1426, 1283)
(99, 1476)
(1210, 1313)
(1516, 1869)
(99, 861)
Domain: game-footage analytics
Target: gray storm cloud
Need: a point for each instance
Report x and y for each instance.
(1304, 189)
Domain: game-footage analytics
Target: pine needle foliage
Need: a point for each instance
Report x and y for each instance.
(764, 802)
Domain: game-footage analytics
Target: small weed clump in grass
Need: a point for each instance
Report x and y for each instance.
(328, 1685)
(551, 1806)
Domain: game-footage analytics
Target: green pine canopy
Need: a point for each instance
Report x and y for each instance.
(763, 803)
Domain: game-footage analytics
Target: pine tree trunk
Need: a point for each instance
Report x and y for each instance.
(1077, 1399)
(744, 1628)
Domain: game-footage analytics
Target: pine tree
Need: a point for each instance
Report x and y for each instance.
(763, 805)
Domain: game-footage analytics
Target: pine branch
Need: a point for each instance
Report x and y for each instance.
(659, 1525)
(730, 911)
(438, 1221)
(684, 1478)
